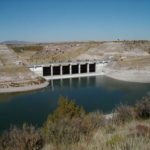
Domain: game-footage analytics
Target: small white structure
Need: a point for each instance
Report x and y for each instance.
(37, 69)
(18, 62)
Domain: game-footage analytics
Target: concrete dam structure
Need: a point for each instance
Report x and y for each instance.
(61, 70)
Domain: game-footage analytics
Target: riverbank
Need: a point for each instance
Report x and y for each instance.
(24, 88)
(139, 76)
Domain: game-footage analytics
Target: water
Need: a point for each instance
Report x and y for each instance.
(92, 93)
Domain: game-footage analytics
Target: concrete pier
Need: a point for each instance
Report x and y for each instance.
(61, 70)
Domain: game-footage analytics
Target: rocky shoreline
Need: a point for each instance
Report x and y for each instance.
(24, 88)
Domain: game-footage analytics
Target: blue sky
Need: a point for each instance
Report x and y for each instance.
(74, 20)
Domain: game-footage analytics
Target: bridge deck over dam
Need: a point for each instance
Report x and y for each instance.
(61, 70)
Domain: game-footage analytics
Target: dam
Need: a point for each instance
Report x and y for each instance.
(70, 69)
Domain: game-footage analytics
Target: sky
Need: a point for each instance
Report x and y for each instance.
(74, 20)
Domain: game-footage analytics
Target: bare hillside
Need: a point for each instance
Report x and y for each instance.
(87, 50)
(128, 59)
(13, 72)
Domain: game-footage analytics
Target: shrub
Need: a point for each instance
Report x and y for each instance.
(26, 138)
(69, 123)
(63, 126)
(142, 108)
(110, 129)
(114, 140)
(94, 120)
(123, 114)
(64, 131)
(71, 130)
(66, 108)
(142, 130)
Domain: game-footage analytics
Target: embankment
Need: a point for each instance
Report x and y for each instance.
(24, 88)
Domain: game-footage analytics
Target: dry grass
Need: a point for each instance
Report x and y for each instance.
(25, 138)
(135, 62)
(14, 69)
(61, 55)
(122, 137)
(94, 132)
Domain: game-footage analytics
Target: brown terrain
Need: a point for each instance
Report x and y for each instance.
(124, 52)
(128, 60)
(13, 72)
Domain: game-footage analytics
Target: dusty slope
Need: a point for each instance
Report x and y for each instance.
(13, 73)
(88, 50)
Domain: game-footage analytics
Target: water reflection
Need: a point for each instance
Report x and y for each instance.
(99, 82)
(72, 83)
(92, 93)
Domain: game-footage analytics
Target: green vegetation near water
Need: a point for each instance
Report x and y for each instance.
(71, 128)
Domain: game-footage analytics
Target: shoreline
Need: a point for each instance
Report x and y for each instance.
(121, 75)
(24, 89)
(135, 76)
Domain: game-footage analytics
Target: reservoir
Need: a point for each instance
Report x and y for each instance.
(92, 93)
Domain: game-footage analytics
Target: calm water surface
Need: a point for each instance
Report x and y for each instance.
(92, 93)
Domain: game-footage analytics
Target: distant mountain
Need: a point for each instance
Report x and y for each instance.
(13, 42)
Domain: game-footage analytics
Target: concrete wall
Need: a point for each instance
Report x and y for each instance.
(37, 70)
(99, 67)
(68, 70)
